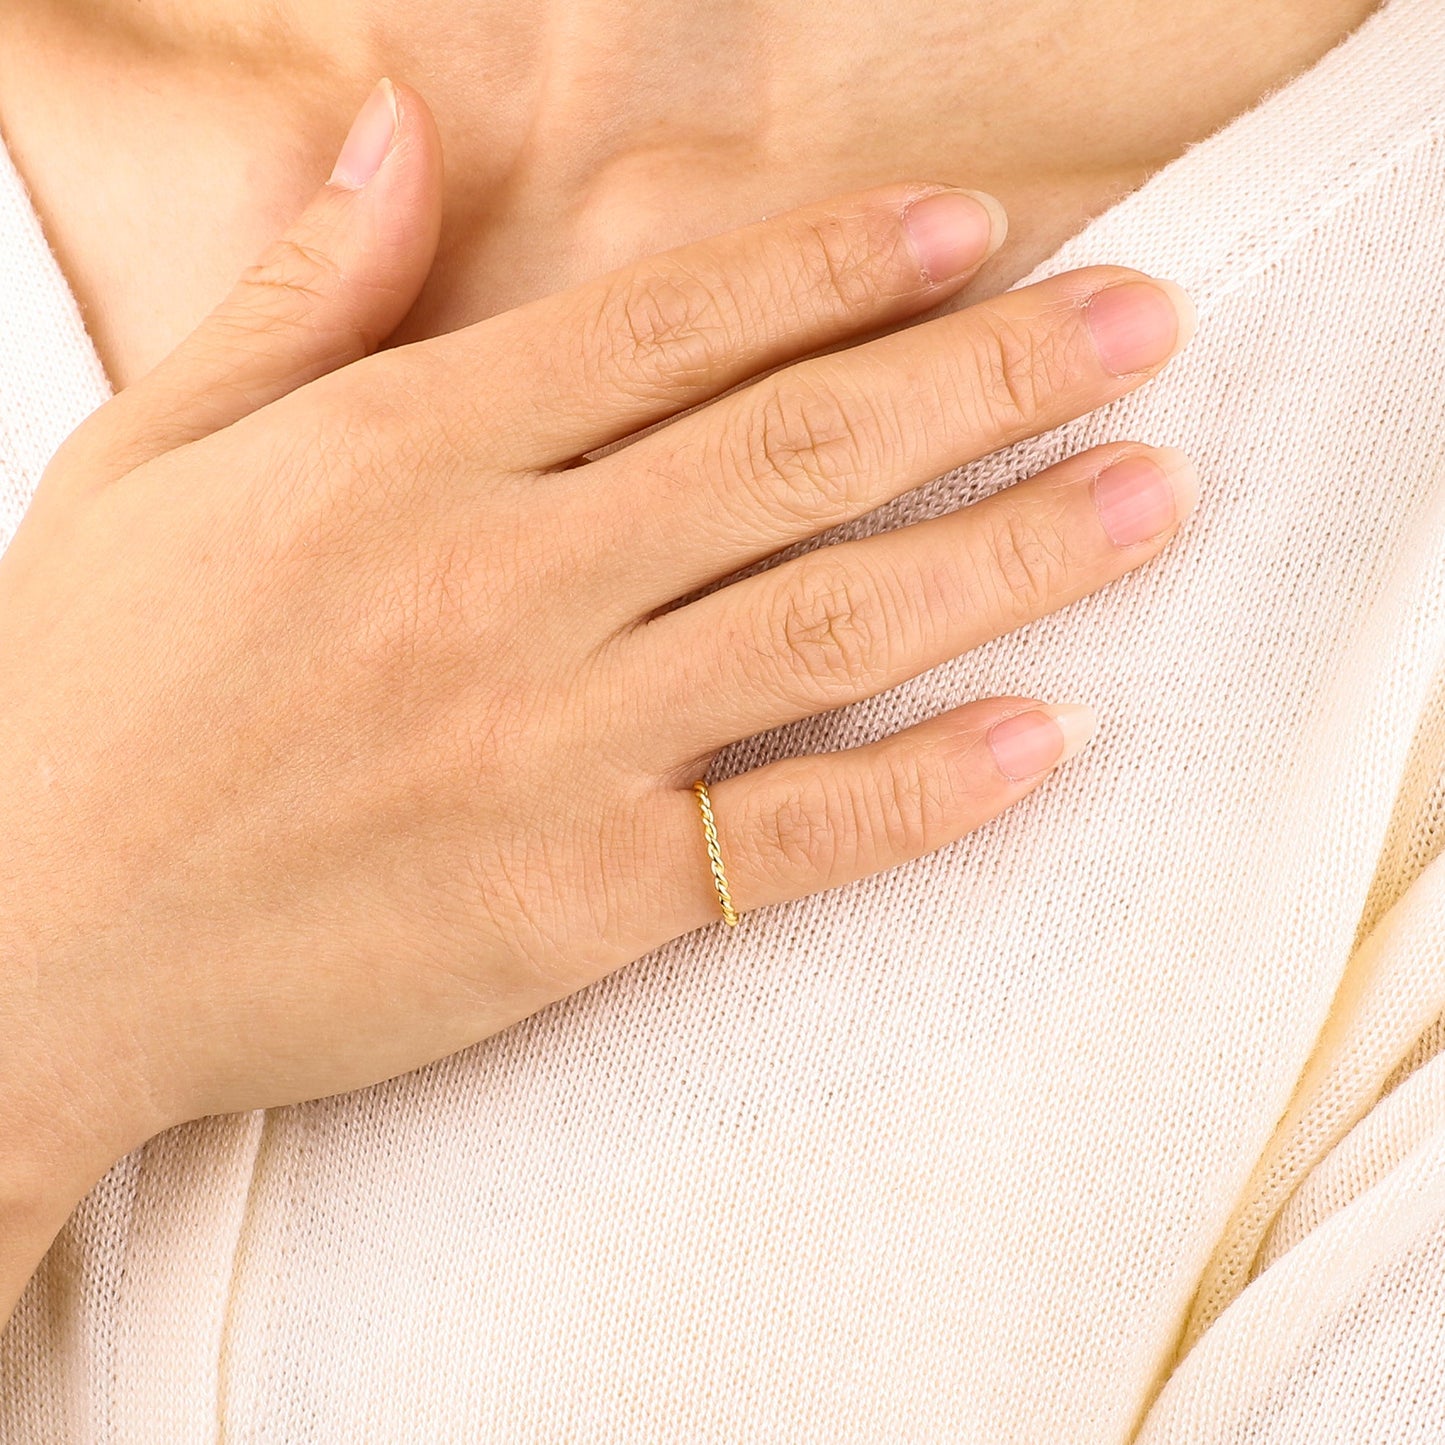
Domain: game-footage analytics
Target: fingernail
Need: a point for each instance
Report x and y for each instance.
(1029, 742)
(954, 231)
(1139, 324)
(368, 140)
(1142, 496)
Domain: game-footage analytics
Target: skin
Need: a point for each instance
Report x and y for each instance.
(298, 798)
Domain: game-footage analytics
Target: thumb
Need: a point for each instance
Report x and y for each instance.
(325, 294)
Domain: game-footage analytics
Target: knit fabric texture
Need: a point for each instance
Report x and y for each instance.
(1120, 1119)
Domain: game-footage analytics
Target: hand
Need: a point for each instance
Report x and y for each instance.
(346, 716)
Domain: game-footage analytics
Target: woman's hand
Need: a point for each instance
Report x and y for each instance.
(346, 716)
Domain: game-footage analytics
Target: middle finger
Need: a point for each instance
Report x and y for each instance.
(833, 437)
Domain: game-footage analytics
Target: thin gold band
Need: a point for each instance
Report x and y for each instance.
(714, 855)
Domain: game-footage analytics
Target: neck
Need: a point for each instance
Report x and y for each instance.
(584, 87)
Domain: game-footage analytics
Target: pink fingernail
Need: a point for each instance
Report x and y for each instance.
(1029, 742)
(954, 231)
(368, 140)
(1139, 324)
(1142, 496)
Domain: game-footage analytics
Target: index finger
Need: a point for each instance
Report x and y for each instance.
(598, 362)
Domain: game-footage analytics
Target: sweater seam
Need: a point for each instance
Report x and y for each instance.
(1227, 279)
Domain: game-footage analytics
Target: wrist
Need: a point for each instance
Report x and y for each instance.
(47, 1166)
(62, 1124)
(75, 1091)
(71, 1101)
(39, 1188)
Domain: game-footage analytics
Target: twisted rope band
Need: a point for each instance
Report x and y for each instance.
(714, 855)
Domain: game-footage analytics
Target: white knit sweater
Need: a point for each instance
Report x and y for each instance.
(1120, 1119)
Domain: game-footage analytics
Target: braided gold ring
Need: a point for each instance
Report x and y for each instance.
(714, 855)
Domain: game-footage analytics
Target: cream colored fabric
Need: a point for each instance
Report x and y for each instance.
(1120, 1119)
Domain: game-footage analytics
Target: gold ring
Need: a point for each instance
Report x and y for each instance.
(714, 855)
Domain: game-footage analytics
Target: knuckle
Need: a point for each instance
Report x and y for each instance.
(1021, 368)
(457, 431)
(324, 450)
(366, 452)
(1028, 564)
(391, 429)
(833, 624)
(289, 271)
(800, 833)
(904, 805)
(664, 330)
(852, 260)
(809, 449)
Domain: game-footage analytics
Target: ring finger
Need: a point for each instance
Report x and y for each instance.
(849, 620)
(807, 823)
